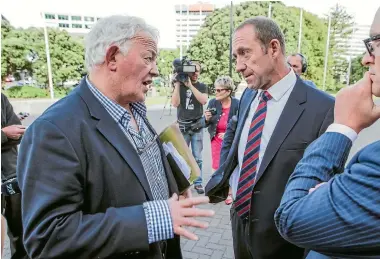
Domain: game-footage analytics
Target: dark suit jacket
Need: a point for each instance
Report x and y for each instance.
(8, 146)
(307, 114)
(83, 185)
(213, 122)
(341, 218)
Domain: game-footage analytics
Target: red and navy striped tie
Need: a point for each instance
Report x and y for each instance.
(251, 156)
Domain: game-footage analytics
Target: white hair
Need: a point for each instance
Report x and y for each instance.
(226, 82)
(116, 30)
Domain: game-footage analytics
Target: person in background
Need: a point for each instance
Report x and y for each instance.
(11, 133)
(219, 112)
(299, 64)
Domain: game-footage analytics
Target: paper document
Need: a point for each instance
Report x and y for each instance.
(180, 161)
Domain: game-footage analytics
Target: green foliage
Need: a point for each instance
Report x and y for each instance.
(164, 62)
(211, 45)
(357, 69)
(24, 51)
(26, 92)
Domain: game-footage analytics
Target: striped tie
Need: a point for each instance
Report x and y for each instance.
(251, 156)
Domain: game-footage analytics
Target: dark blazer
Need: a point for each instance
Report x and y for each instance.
(213, 122)
(8, 146)
(83, 185)
(307, 114)
(341, 218)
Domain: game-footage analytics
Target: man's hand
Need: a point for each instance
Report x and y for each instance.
(187, 194)
(14, 131)
(183, 213)
(208, 115)
(354, 105)
(316, 187)
(188, 83)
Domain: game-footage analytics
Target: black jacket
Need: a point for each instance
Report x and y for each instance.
(213, 122)
(8, 146)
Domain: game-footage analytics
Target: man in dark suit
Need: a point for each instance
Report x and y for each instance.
(94, 177)
(327, 208)
(279, 116)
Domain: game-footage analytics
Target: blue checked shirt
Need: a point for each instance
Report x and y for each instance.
(157, 212)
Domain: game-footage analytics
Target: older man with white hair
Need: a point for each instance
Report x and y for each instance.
(94, 177)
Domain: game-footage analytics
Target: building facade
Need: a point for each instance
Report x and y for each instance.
(72, 23)
(189, 19)
(354, 45)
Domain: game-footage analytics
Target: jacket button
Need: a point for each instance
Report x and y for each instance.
(254, 220)
(256, 192)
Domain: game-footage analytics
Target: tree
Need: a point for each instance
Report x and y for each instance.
(211, 45)
(357, 69)
(341, 30)
(16, 52)
(164, 62)
(66, 56)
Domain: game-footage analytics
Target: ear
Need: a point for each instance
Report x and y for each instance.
(111, 57)
(275, 48)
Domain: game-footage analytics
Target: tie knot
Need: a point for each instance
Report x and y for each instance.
(266, 96)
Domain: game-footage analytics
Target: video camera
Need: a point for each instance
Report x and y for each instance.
(183, 68)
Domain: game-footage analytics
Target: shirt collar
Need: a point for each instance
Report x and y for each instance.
(278, 90)
(117, 112)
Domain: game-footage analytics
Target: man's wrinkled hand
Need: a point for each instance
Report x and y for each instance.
(183, 213)
(354, 105)
(14, 131)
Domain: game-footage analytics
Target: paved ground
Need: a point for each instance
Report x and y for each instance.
(216, 241)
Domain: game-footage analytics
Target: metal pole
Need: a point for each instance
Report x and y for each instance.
(300, 32)
(327, 54)
(180, 31)
(48, 60)
(349, 57)
(270, 10)
(188, 33)
(231, 31)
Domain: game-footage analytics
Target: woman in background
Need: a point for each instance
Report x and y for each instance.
(219, 111)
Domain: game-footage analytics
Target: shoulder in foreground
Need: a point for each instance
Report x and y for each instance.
(319, 95)
(65, 109)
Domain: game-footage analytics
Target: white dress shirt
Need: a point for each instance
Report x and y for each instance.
(280, 93)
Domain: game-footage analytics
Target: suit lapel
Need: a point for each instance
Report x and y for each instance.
(251, 94)
(289, 117)
(114, 134)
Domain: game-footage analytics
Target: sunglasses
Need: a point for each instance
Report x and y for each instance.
(369, 44)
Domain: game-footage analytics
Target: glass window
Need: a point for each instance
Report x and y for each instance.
(89, 19)
(76, 18)
(88, 26)
(49, 16)
(63, 17)
(75, 25)
(63, 25)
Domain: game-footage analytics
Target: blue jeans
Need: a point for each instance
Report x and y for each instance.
(196, 140)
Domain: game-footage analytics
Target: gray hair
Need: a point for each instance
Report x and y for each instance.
(226, 82)
(265, 30)
(116, 30)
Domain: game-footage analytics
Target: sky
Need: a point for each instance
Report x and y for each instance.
(159, 13)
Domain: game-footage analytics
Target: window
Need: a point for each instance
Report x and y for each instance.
(89, 19)
(49, 16)
(75, 25)
(76, 18)
(88, 26)
(63, 17)
(63, 25)
(98, 19)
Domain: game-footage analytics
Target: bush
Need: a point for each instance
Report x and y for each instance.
(26, 92)
(62, 92)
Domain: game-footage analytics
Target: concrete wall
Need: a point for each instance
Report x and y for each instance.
(33, 106)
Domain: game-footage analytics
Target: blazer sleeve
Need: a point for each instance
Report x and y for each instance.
(340, 218)
(53, 180)
(11, 119)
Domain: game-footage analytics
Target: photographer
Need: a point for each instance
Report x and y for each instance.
(11, 133)
(219, 112)
(189, 97)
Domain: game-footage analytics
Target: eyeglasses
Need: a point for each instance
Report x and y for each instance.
(221, 90)
(369, 44)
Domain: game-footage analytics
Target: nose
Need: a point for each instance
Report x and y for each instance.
(240, 66)
(154, 70)
(367, 59)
